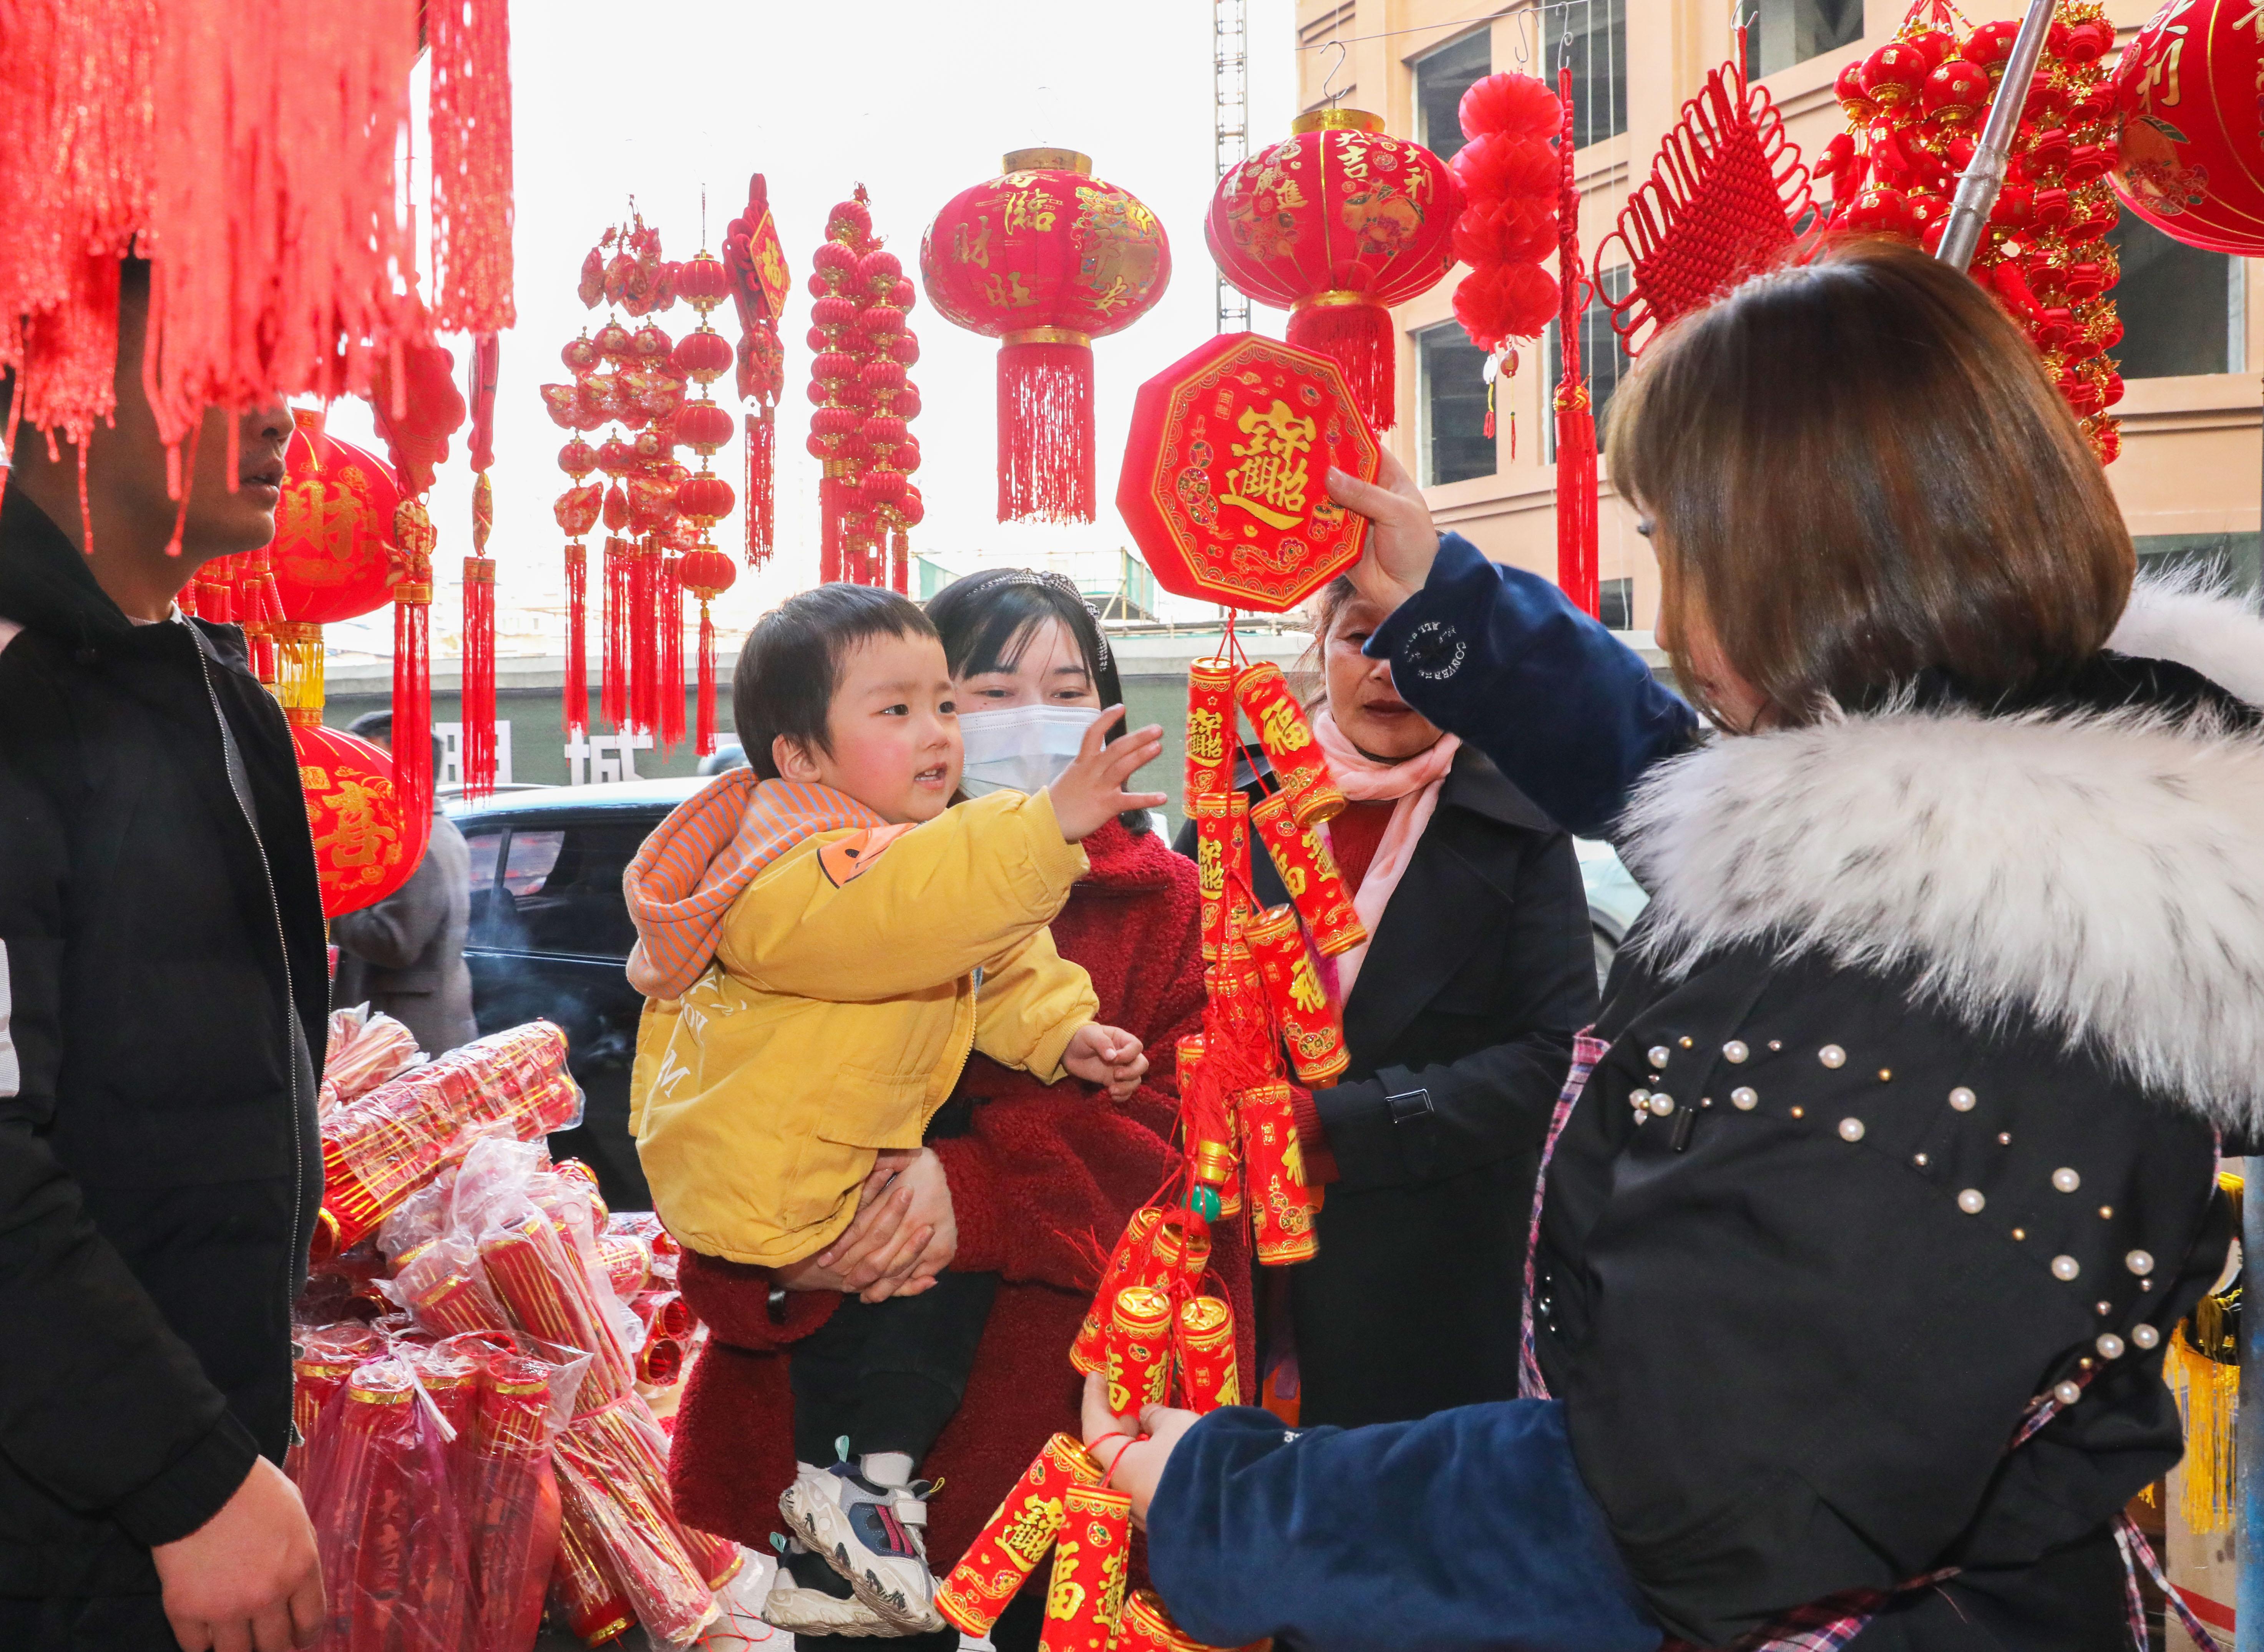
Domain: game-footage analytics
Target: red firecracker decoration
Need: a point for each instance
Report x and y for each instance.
(2186, 160)
(755, 262)
(1511, 201)
(367, 838)
(476, 756)
(1046, 259)
(332, 557)
(1915, 109)
(1337, 223)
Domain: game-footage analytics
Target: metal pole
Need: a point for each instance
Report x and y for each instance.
(1985, 174)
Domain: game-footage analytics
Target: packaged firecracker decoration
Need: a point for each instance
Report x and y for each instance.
(1147, 1627)
(1225, 479)
(1222, 863)
(1300, 767)
(1086, 1597)
(513, 1499)
(1280, 1203)
(364, 1051)
(1308, 872)
(1139, 1349)
(1207, 1368)
(1128, 1265)
(1311, 1028)
(327, 1357)
(1210, 728)
(1016, 1538)
(597, 1607)
(389, 1531)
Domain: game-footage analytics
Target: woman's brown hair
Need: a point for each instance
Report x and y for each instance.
(1860, 471)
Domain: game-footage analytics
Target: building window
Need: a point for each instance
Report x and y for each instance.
(1590, 38)
(2227, 561)
(1603, 358)
(2181, 308)
(1454, 444)
(1616, 603)
(1782, 32)
(1441, 78)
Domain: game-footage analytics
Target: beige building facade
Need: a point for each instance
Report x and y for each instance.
(2188, 478)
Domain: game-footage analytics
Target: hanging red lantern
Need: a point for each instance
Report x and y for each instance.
(2192, 149)
(1335, 224)
(367, 841)
(706, 574)
(331, 553)
(834, 388)
(1224, 482)
(1045, 258)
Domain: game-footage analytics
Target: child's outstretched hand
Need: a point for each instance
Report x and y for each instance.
(1106, 1055)
(1090, 791)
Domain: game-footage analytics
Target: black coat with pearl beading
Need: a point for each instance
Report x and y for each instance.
(1917, 1066)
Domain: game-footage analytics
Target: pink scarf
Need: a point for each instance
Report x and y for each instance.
(1411, 787)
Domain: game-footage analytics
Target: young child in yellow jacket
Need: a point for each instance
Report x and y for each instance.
(823, 938)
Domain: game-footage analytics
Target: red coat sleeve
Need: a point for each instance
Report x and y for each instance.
(735, 1299)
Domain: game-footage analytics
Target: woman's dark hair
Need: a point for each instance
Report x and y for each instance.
(1860, 471)
(791, 663)
(987, 620)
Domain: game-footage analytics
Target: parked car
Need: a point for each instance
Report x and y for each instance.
(550, 934)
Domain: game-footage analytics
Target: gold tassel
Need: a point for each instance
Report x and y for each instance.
(2204, 1371)
(300, 683)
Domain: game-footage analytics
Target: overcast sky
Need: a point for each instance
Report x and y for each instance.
(916, 99)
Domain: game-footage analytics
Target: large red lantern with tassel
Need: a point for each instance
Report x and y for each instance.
(2192, 152)
(1336, 224)
(1225, 473)
(367, 840)
(1046, 259)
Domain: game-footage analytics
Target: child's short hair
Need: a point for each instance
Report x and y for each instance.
(791, 663)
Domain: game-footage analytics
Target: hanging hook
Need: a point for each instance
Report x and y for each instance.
(1330, 79)
(1527, 22)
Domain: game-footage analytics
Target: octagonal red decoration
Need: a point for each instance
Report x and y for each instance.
(2192, 153)
(1225, 473)
(366, 841)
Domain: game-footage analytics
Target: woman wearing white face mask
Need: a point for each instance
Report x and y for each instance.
(1459, 1014)
(1031, 1172)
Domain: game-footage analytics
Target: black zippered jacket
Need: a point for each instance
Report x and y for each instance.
(160, 1166)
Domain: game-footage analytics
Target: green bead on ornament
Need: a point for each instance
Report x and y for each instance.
(1204, 1202)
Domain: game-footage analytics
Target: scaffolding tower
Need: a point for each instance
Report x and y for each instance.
(1231, 81)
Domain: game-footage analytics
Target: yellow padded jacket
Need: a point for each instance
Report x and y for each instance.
(839, 991)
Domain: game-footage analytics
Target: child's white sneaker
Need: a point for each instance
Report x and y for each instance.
(805, 1605)
(872, 1535)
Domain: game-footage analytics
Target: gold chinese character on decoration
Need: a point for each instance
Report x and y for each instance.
(1067, 1596)
(1293, 879)
(1033, 1529)
(972, 246)
(358, 839)
(1211, 867)
(1305, 991)
(1006, 289)
(1282, 727)
(1270, 482)
(1206, 735)
(1028, 209)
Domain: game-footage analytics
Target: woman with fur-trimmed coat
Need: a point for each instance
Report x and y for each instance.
(1890, 1165)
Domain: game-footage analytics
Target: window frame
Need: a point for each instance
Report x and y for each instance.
(1482, 35)
(1425, 451)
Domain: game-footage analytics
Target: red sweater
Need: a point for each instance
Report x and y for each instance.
(1041, 1186)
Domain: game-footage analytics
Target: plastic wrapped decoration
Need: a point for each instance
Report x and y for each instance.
(1337, 223)
(1045, 258)
(1915, 108)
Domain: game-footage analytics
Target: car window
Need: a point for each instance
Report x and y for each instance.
(485, 849)
(560, 890)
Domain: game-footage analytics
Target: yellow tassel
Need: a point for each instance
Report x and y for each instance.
(2208, 1395)
(299, 665)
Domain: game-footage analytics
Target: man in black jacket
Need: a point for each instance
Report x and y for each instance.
(162, 1003)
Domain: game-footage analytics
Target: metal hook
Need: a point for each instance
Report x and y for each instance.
(1527, 22)
(1329, 79)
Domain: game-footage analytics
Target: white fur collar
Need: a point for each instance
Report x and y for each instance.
(2104, 873)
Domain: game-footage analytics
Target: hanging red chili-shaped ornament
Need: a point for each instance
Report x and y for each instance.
(755, 262)
(1336, 223)
(1045, 258)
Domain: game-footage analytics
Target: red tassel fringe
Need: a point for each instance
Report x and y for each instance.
(671, 687)
(704, 738)
(1359, 338)
(762, 485)
(471, 165)
(613, 692)
(477, 754)
(644, 637)
(576, 708)
(1576, 418)
(412, 708)
(829, 525)
(1045, 433)
(900, 565)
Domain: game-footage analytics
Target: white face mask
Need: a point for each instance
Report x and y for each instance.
(1022, 748)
